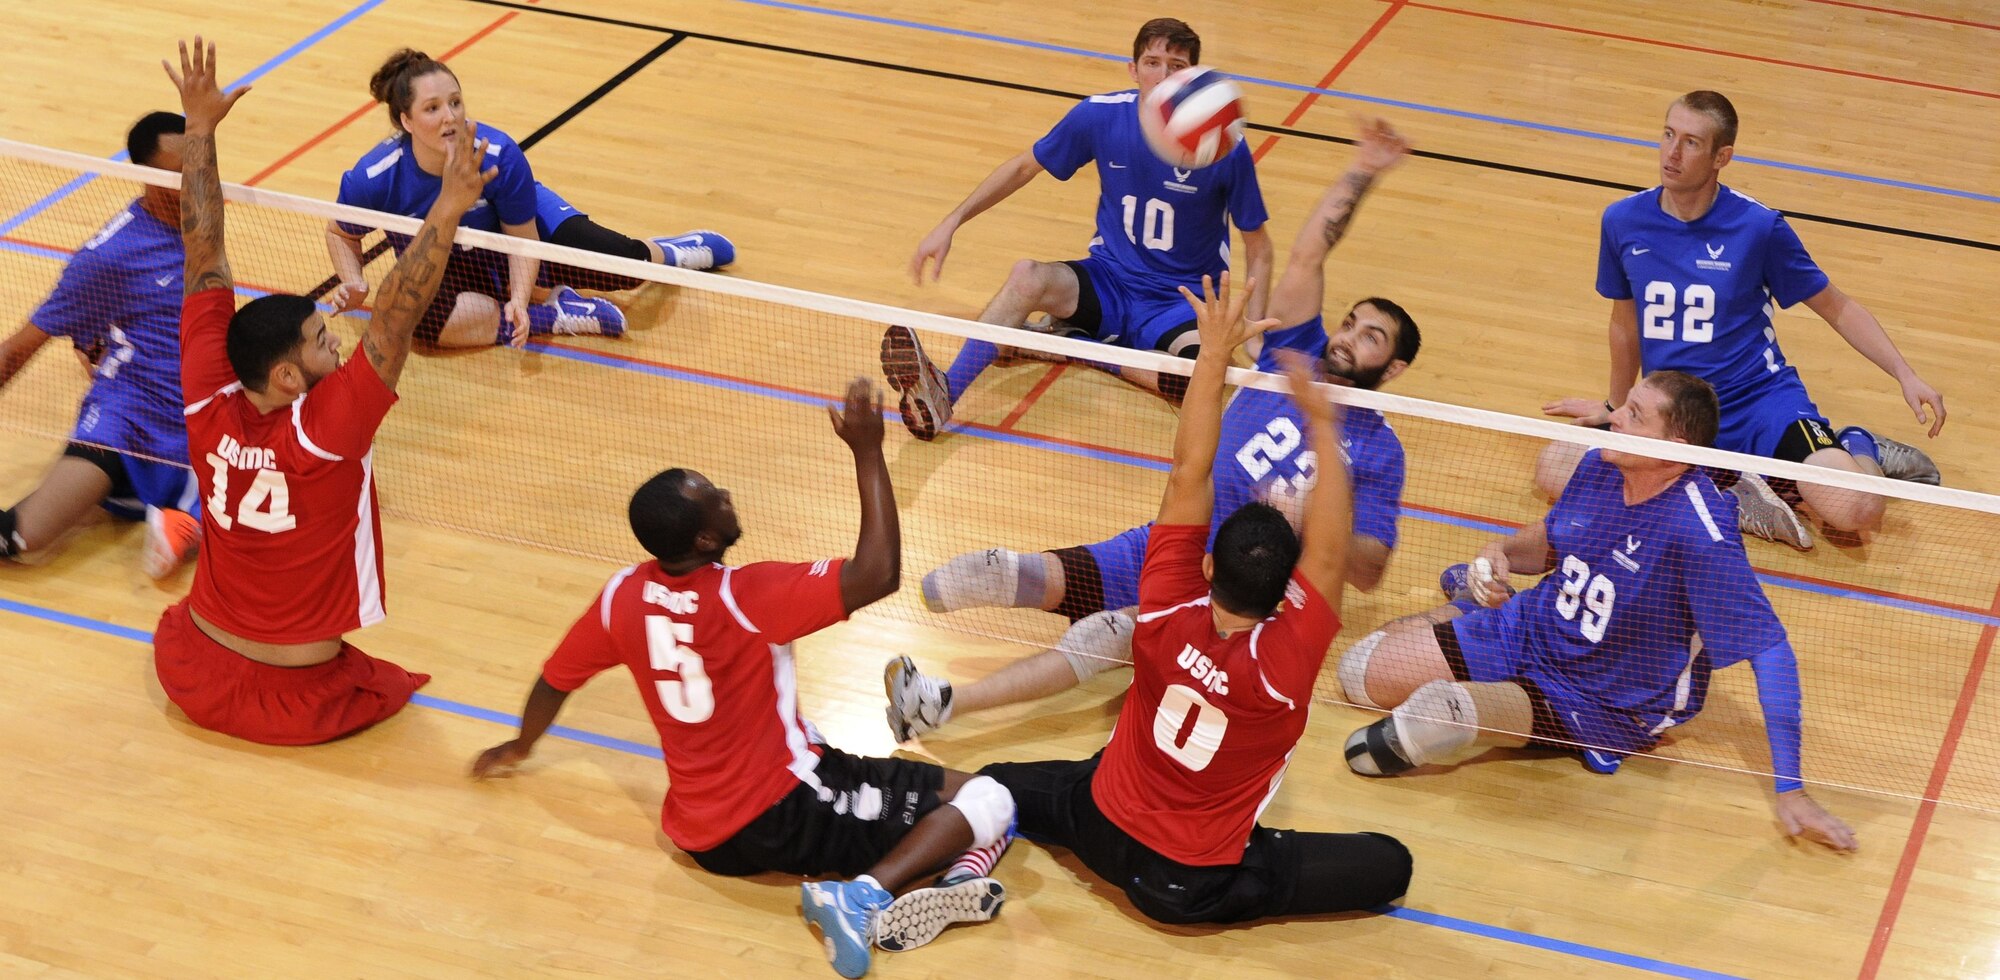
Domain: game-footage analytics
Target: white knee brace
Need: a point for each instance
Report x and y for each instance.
(988, 807)
(1353, 669)
(1098, 642)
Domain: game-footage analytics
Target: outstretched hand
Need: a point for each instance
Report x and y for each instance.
(202, 100)
(1218, 316)
(1583, 410)
(1311, 402)
(463, 180)
(1378, 146)
(1802, 816)
(858, 420)
(499, 760)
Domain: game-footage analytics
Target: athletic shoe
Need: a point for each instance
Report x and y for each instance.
(926, 403)
(843, 913)
(1374, 751)
(697, 250)
(917, 704)
(1902, 461)
(1761, 512)
(1456, 584)
(579, 317)
(918, 917)
(172, 538)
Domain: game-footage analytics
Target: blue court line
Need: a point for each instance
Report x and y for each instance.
(653, 752)
(256, 73)
(1371, 100)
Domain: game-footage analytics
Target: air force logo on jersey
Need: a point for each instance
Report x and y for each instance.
(1180, 182)
(1714, 261)
(1625, 558)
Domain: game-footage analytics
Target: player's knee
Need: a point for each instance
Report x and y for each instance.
(1353, 669)
(987, 807)
(1173, 387)
(1098, 642)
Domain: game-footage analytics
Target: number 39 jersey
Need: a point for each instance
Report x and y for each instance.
(1209, 724)
(291, 542)
(711, 653)
(1644, 600)
(1706, 289)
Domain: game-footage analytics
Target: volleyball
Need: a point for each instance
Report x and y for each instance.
(1193, 118)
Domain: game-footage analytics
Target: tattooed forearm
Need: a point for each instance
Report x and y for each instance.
(1347, 200)
(406, 295)
(201, 217)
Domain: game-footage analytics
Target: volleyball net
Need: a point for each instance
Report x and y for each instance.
(543, 446)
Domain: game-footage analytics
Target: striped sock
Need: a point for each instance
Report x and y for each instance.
(978, 862)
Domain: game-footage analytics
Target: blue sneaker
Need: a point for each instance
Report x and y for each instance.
(698, 250)
(843, 913)
(579, 317)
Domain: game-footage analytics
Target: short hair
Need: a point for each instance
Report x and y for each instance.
(1255, 552)
(143, 140)
(663, 518)
(1692, 411)
(1178, 35)
(394, 83)
(1717, 108)
(1408, 337)
(265, 331)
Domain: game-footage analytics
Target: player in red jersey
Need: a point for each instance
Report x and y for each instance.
(279, 433)
(1225, 651)
(751, 785)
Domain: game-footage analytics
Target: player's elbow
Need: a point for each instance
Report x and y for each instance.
(870, 578)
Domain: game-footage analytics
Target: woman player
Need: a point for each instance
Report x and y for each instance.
(481, 303)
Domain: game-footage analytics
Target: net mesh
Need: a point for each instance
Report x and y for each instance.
(542, 447)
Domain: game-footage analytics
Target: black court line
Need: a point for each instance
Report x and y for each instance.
(1277, 130)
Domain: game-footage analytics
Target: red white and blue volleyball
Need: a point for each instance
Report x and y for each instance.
(1193, 118)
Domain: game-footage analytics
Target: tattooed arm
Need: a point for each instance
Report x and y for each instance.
(411, 285)
(1299, 293)
(204, 104)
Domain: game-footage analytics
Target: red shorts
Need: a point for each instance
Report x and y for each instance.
(224, 691)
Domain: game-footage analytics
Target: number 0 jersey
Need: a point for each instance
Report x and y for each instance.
(711, 653)
(1209, 724)
(291, 546)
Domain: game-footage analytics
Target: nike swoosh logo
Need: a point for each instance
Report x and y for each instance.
(165, 281)
(580, 309)
(1115, 166)
(1640, 251)
(565, 208)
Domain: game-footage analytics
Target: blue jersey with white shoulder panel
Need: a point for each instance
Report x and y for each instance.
(1154, 221)
(387, 178)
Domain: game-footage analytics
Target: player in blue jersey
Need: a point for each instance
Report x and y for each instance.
(1158, 228)
(1695, 271)
(1650, 593)
(1262, 456)
(119, 303)
(486, 298)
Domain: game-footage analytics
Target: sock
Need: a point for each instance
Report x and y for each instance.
(541, 320)
(10, 540)
(994, 577)
(976, 863)
(1436, 722)
(1859, 444)
(976, 356)
(871, 882)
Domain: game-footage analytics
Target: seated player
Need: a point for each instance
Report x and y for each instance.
(281, 433)
(487, 297)
(1227, 649)
(1158, 228)
(1652, 593)
(1712, 266)
(1264, 456)
(751, 787)
(118, 302)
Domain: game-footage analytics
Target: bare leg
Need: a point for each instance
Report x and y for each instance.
(66, 496)
(941, 836)
(1027, 679)
(474, 322)
(1406, 657)
(1846, 510)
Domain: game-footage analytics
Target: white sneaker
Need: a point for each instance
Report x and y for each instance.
(917, 704)
(926, 402)
(1762, 513)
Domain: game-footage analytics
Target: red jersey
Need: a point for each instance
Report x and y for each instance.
(1209, 724)
(291, 547)
(711, 653)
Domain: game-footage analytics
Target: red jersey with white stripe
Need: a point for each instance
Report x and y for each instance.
(1209, 724)
(711, 653)
(291, 546)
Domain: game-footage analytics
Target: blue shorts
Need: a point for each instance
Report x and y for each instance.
(1118, 308)
(551, 211)
(112, 422)
(1490, 645)
(1756, 422)
(1118, 563)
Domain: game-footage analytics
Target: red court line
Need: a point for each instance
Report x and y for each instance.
(1908, 13)
(1701, 49)
(1034, 394)
(1367, 37)
(1893, 904)
(349, 119)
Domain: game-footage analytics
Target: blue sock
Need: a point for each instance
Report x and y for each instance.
(1859, 443)
(541, 319)
(976, 356)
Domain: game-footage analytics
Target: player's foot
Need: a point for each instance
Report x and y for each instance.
(1039, 323)
(172, 538)
(926, 403)
(1375, 751)
(1456, 584)
(917, 917)
(844, 913)
(1761, 512)
(1902, 461)
(697, 250)
(917, 704)
(579, 317)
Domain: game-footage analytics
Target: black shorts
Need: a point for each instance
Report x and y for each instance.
(111, 462)
(860, 808)
(1282, 872)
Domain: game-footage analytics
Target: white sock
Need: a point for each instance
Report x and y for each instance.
(994, 577)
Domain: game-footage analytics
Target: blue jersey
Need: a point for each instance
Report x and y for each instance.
(123, 288)
(387, 178)
(1644, 601)
(1153, 220)
(1706, 289)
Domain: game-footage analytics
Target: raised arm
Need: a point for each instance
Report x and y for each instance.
(1330, 512)
(1259, 256)
(1300, 293)
(1864, 333)
(876, 570)
(18, 349)
(1190, 497)
(410, 286)
(204, 105)
(998, 186)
